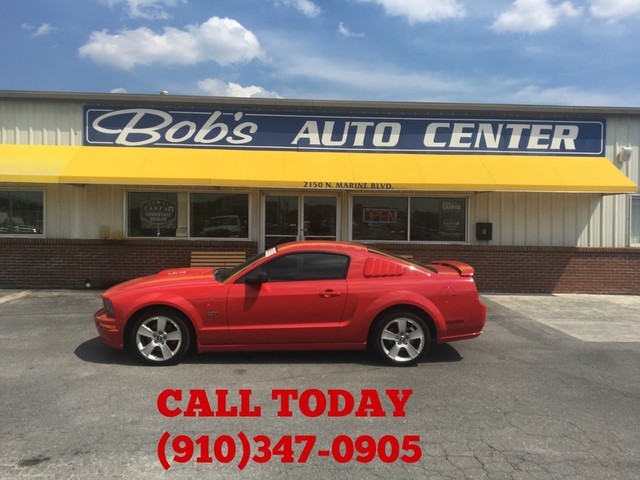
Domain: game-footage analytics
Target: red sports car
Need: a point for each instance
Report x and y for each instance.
(297, 296)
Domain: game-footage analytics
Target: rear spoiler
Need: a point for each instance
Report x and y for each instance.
(464, 269)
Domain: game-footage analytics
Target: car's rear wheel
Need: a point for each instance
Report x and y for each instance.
(160, 336)
(400, 338)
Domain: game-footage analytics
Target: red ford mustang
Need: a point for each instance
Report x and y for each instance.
(297, 296)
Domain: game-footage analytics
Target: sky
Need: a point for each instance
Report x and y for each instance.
(541, 52)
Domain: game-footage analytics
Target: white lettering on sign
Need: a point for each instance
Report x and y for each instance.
(145, 127)
(361, 130)
(486, 134)
(352, 134)
(149, 135)
(309, 132)
(564, 135)
(327, 134)
(461, 136)
(432, 131)
(516, 134)
(519, 136)
(387, 134)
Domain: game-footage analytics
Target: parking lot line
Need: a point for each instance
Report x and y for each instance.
(15, 296)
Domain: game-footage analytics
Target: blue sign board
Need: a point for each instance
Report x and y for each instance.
(236, 129)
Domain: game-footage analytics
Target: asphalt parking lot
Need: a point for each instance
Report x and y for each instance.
(550, 391)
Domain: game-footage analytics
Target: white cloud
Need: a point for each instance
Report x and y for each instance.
(41, 31)
(307, 7)
(422, 11)
(345, 32)
(218, 88)
(350, 79)
(533, 94)
(614, 10)
(149, 9)
(529, 16)
(118, 90)
(221, 40)
(368, 80)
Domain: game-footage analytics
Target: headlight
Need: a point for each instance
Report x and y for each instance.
(108, 307)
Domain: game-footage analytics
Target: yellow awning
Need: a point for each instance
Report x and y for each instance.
(284, 169)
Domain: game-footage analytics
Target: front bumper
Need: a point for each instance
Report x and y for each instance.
(109, 329)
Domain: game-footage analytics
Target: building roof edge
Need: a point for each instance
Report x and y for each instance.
(312, 105)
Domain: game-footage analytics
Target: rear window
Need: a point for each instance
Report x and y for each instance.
(404, 259)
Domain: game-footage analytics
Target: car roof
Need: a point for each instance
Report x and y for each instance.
(320, 245)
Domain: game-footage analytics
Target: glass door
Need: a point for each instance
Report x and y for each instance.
(319, 220)
(299, 217)
(281, 219)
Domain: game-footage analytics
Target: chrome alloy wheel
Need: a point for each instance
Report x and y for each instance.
(402, 339)
(158, 338)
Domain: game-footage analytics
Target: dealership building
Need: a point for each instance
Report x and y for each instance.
(100, 188)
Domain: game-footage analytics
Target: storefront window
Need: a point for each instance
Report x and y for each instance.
(180, 214)
(635, 220)
(219, 215)
(380, 218)
(438, 219)
(152, 214)
(21, 213)
(418, 219)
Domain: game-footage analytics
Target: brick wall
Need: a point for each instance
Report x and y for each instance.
(49, 263)
(540, 269)
(41, 263)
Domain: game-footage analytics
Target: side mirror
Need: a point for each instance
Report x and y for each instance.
(256, 278)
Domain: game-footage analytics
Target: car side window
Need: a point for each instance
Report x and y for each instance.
(306, 266)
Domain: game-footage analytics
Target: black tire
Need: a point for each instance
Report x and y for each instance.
(160, 336)
(400, 338)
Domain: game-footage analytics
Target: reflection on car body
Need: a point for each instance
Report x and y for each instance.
(296, 296)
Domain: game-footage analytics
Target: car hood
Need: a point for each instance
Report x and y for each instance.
(165, 278)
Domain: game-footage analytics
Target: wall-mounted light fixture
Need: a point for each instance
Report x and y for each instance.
(624, 155)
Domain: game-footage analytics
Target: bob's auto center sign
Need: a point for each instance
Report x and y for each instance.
(152, 127)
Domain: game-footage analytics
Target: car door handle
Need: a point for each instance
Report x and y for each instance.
(330, 293)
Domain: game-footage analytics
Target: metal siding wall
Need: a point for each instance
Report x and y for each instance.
(625, 132)
(537, 219)
(104, 215)
(40, 123)
(609, 224)
(557, 222)
(84, 211)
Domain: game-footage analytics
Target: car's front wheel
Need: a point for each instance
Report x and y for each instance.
(160, 336)
(400, 338)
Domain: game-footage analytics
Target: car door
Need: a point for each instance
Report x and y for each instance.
(301, 301)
